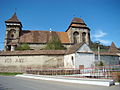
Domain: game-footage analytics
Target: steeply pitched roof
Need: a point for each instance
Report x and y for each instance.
(113, 49)
(63, 36)
(78, 23)
(42, 36)
(13, 19)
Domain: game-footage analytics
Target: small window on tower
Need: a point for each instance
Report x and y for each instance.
(84, 37)
(73, 28)
(75, 36)
(12, 35)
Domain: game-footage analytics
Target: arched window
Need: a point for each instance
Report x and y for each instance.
(11, 34)
(84, 37)
(75, 37)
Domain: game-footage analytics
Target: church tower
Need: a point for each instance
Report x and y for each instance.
(78, 31)
(13, 28)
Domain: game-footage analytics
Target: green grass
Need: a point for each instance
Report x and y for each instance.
(9, 73)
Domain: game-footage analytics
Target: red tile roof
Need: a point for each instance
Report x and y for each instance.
(63, 36)
(33, 52)
(42, 36)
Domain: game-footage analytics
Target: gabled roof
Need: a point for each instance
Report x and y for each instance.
(27, 36)
(13, 19)
(74, 48)
(113, 49)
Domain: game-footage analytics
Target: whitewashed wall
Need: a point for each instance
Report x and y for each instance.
(86, 59)
(119, 57)
(68, 62)
(84, 56)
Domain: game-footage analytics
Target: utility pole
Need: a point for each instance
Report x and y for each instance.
(98, 53)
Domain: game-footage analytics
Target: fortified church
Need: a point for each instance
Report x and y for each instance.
(76, 39)
(77, 32)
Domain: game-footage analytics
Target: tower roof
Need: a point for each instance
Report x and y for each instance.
(77, 23)
(78, 20)
(113, 48)
(13, 19)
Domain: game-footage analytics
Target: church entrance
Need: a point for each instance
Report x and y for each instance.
(9, 47)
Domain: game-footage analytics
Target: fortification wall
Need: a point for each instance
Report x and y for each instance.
(19, 63)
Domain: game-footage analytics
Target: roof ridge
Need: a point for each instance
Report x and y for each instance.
(42, 31)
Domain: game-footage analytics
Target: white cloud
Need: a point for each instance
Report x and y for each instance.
(105, 42)
(99, 34)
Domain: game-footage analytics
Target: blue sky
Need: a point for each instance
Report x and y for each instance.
(101, 16)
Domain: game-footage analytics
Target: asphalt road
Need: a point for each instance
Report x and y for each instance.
(15, 83)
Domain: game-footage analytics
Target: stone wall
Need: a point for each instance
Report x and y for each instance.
(79, 37)
(41, 46)
(108, 59)
(21, 63)
(37, 46)
(69, 61)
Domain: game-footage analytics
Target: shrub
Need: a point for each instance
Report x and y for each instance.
(118, 78)
(99, 63)
(54, 44)
(23, 47)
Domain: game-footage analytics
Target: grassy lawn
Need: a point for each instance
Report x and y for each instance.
(9, 73)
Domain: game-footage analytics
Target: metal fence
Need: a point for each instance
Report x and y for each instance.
(106, 72)
(13, 69)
